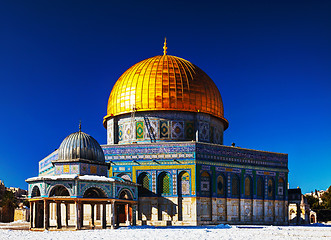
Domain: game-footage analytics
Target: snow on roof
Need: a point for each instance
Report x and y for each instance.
(72, 177)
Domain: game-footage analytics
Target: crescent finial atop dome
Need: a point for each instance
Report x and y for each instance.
(165, 46)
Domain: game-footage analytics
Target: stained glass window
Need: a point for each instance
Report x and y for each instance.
(164, 184)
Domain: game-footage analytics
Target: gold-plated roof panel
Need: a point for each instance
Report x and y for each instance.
(165, 83)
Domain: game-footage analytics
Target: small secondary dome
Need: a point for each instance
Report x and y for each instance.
(80, 145)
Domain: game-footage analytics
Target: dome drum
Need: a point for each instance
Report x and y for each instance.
(164, 126)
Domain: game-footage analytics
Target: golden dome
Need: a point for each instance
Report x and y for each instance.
(165, 83)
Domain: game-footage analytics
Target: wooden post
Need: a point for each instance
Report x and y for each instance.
(46, 214)
(92, 214)
(104, 217)
(58, 215)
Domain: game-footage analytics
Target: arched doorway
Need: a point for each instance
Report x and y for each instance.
(124, 210)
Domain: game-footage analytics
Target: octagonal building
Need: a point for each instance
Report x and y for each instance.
(165, 123)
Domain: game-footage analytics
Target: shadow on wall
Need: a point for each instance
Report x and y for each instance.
(166, 209)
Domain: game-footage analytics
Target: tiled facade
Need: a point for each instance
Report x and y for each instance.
(164, 126)
(207, 195)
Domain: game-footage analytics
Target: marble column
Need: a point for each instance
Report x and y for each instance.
(31, 214)
(127, 211)
(34, 223)
(112, 215)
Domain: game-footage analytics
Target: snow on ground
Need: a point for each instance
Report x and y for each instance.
(185, 233)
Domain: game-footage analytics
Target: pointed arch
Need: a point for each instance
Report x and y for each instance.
(35, 192)
(125, 194)
(145, 181)
(281, 188)
(59, 190)
(248, 187)
(94, 192)
(221, 185)
(184, 186)
(235, 188)
(271, 189)
(260, 187)
(205, 180)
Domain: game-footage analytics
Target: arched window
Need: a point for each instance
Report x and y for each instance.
(144, 181)
(220, 185)
(59, 190)
(235, 186)
(271, 189)
(163, 185)
(184, 184)
(260, 188)
(281, 187)
(248, 187)
(205, 184)
(35, 192)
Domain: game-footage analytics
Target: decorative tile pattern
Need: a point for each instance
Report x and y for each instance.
(212, 129)
(127, 132)
(120, 133)
(205, 184)
(203, 131)
(177, 130)
(110, 131)
(140, 130)
(189, 130)
(174, 182)
(185, 183)
(217, 136)
(154, 129)
(164, 129)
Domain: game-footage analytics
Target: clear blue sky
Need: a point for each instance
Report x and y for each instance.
(270, 59)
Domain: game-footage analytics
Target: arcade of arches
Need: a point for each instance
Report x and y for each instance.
(93, 210)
